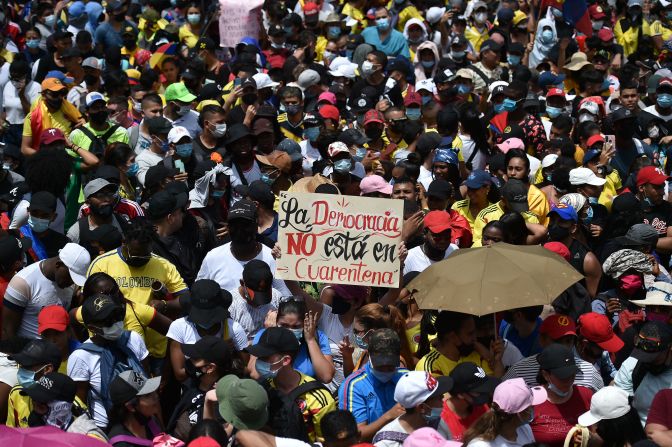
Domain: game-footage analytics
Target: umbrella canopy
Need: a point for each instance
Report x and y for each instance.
(45, 436)
(480, 281)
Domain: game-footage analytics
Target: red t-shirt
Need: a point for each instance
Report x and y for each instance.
(458, 426)
(660, 411)
(552, 422)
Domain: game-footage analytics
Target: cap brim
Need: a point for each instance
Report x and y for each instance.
(487, 386)
(230, 416)
(625, 241)
(37, 393)
(444, 386)
(614, 344)
(77, 278)
(59, 327)
(260, 350)
(191, 351)
(150, 386)
(539, 395)
(565, 372)
(597, 181)
(642, 356)
(208, 317)
(261, 297)
(587, 419)
(436, 229)
(384, 360)
(25, 360)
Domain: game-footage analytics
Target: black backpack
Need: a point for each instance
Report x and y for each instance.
(98, 144)
(286, 417)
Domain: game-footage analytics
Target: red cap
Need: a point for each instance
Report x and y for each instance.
(328, 111)
(595, 139)
(437, 221)
(311, 9)
(51, 135)
(413, 98)
(597, 328)
(204, 441)
(667, 82)
(53, 317)
(373, 116)
(651, 175)
(596, 12)
(558, 248)
(605, 35)
(554, 92)
(557, 326)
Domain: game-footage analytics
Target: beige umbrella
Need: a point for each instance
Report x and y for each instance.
(484, 280)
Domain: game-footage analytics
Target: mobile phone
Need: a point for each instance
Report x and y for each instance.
(180, 165)
(237, 82)
(611, 139)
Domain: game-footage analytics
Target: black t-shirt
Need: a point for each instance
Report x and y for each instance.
(659, 217)
(394, 94)
(47, 64)
(52, 241)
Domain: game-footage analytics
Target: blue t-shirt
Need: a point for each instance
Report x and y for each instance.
(302, 361)
(394, 45)
(527, 345)
(108, 37)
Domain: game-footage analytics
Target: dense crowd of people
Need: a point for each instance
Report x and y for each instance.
(142, 167)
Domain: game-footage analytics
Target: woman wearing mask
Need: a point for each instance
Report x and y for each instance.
(661, 28)
(314, 356)
(332, 31)
(191, 30)
(135, 415)
(122, 157)
(544, 39)
(33, 52)
(629, 29)
(45, 22)
(415, 33)
(518, 167)
(17, 96)
(426, 60)
(506, 423)
(565, 402)
(477, 32)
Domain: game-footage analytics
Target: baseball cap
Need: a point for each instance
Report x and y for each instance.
(77, 259)
(237, 132)
(311, 10)
(12, 249)
(165, 202)
(440, 189)
(511, 143)
(413, 98)
(424, 437)
(549, 160)
(434, 14)
(638, 235)
(471, 378)
(605, 35)
(415, 387)
(384, 348)
(209, 348)
(622, 114)
(653, 338)
(242, 402)
(157, 173)
(505, 15)
(158, 125)
(558, 360)
(93, 97)
(96, 185)
(594, 139)
(557, 326)
(53, 317)
(206, 43)
(177, 91)
(658, 294)
(258, 279)
(373, 116)
(549, 78)
(99, 308)
(559, 249)
(38, 352)
(515, 193)
(555, 92)
(353, 137)
(276, 30)
(337, 147)
(42, 201)
(52, 84)
(177, 133)
(651, 175)
(513, 396)
(441, 77)
(243, 209)
(490, 45)
(130, 384)
(597, 328)
(328, 97)
(308, 78)
(590, 155)
(426, 85)
(50, 387)
(437, 221)
(292, 148)
(329, 111)
(258, 191)
(374, 183)
(596, 13)
(610, 402)
(477, 178)
(585, 176)
(566, 212)
(51, 135)
(274, 340)
(664, 85)
(496, 88)
(209, 303)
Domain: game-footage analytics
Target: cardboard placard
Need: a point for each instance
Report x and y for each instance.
(238, 19)
(340, 239)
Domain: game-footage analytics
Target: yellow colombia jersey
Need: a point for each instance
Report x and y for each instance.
(58, 121)
(462, 208)
(288, 130)
(439, 365)
(19, 407)
(494, 212)
(314, 405)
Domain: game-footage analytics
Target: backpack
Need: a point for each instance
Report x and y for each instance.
(98, 144)
(286, 416)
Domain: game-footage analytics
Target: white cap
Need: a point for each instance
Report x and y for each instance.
(338, 61)
(549, 160)
(77, 259)
(434, 14)
(264, 81)
(584, 176)
(177, 133)
(591, 107)
(344, 71)
(493, 86)
(415, 387)
(93, 97)
(609, 402)
(92, 62)
(425, 84)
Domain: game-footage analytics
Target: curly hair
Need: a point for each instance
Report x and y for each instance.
(49, 170)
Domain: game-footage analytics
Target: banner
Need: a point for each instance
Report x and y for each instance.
(238, 19)
(339, 239)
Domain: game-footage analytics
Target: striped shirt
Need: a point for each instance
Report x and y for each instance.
(528, 369)
(249, 317)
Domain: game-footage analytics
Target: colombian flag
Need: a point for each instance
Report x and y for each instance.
(575, 12)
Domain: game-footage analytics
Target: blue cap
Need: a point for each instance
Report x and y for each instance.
(478, 178)
(60, 76)
(76, 9)
(505, 15)
(548, 78)
(589, 155)
(565, 212)
(292, 148)
(445, 156)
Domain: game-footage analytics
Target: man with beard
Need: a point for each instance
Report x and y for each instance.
(437, 244)
(225, 263)
(657, 212)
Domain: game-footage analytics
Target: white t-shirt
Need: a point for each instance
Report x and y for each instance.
(84, 366)
(189, 122)
(20, 216)
(251, 318)
(468, 146)
(12, 103)
(252, 174)
(185, 333)
(145, 160)
(331, 325)
(417, 260)
(535, 164)
(391, 426)
(425, 177)
(310, 156)
(32, 291)
(524, 437)
(652, 110)
(221, 266)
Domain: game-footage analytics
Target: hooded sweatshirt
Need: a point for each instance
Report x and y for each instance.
(419, 69)
(541, 49)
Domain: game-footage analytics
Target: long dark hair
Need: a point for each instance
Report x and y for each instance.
(621, 431)
(472, 125)
(488, 426)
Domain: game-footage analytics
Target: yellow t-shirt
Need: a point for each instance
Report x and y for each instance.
(439, 365)
(538, 204)
(494, 212)
(609, 189)
(406, 14)
(18, 408)
(628, 39)
(476, 37)
(357, 14)
(187, 36)
(80, 139)
(462, 208)
(58, 121)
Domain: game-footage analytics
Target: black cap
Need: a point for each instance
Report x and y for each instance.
(427, 142)
(361, 104)
(513, 130)
(257, 191)
(274, 340)
(353, 136)
(443, 76)
(243, 209)
(516, 47)
(249, 82)
(258, 280)
(237, 132)
(441, 189)
(515, 193)
(71, 52)
(266, 111)
(653, 338)
(42, 201)
(622, 114)
(211, 90)
(38, 352)
(157, 173)
(108, 236)
(470, 378)
(206, 43)
(354, 40)
(558, 360)
(209, 303)
(61, 34)
(12, 249)
(101, 308)
(165, 202)
(490, 45)
(210, 348)
(398, 65)
(276, 30)
(158, 125)
(292, 19)
(626, 202)
(50, 387)
(384, 348)
(109, 173)
(15, 195)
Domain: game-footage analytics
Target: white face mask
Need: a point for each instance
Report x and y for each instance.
(113, 332)
(481, 17)
(220, 130)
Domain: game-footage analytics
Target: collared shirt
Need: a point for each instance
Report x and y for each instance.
(494, 212)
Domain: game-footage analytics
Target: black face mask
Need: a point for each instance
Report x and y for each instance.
(102, 211)
(192, 371)
(481, 399)
(241, 235)
(373, 132)
(90, 79)
(99, 117)
(465, 350)
(54, 103)
(35, 420)
(557, 233)
(249, 98)
(339, 306)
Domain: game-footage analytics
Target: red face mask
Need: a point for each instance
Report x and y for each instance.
(630, 284)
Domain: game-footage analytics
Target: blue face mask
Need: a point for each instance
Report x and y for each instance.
(125, 65)
(311, 133)
(217, 194)
(458, 55)
(264, 369)
(426, 99)
(361, 151)
(33, 43)
(25, 377)
(593, 200)
(547, 36)
(333, 32)
(266, 179)
(382, 376)
(668, 15)
(553, 112)
(383, 24)
(664, 100)
(588, 219)
(513, 59)
(499, 108)
(427, 64)
(298, 333)
(38, 225)
(132, 170)
(509, 105)
(463, 89)
(342, 166)
(413, 114)
(289, 30)
(184, 150)
(556, 13)
(557, 391)
(432, 419)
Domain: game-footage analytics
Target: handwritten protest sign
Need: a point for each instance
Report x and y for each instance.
(238, 19)
(339, 239)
